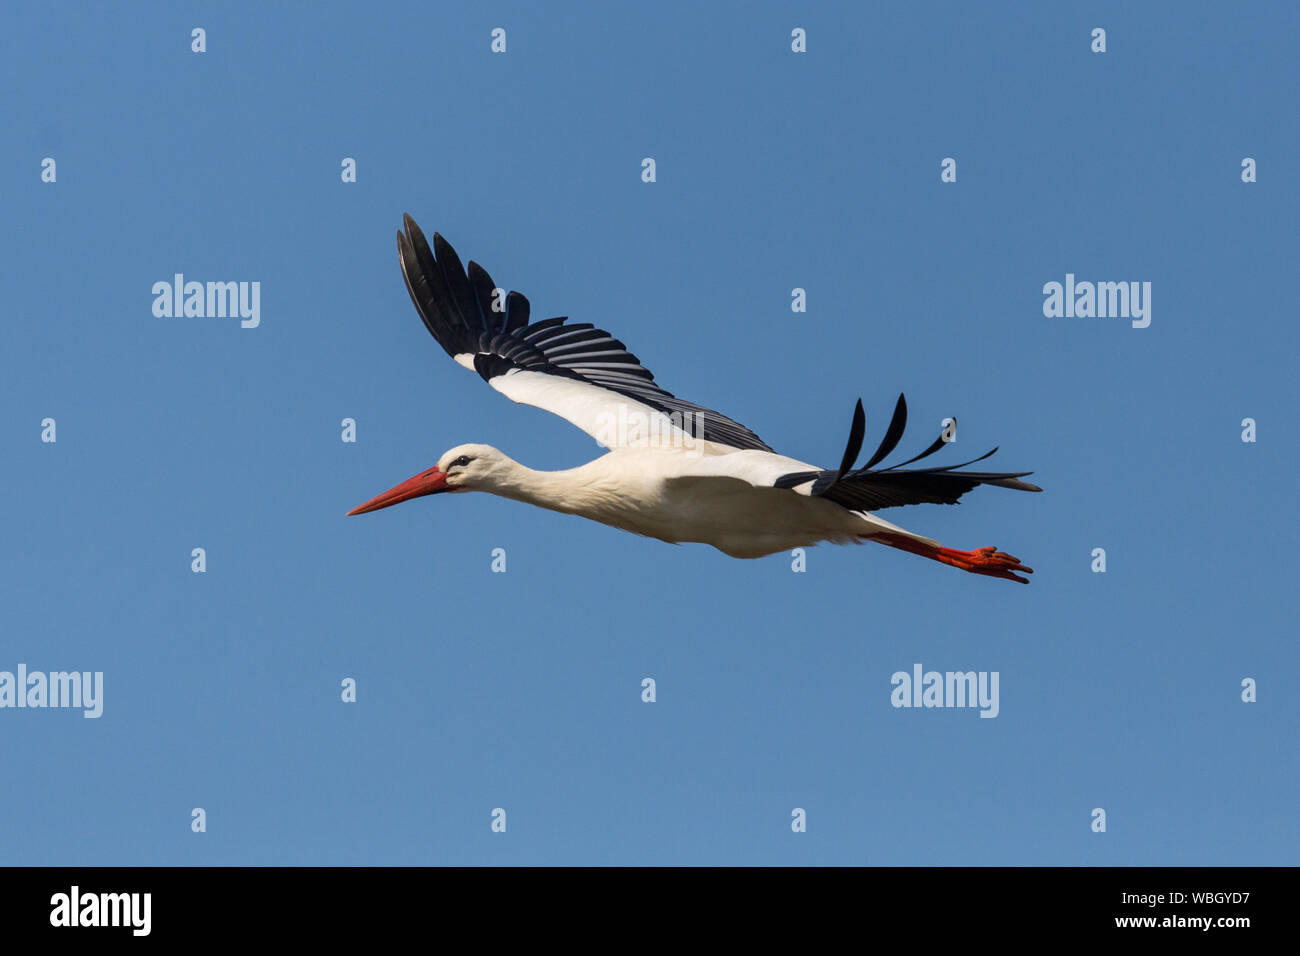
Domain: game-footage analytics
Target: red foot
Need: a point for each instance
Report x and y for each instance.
(988, 561)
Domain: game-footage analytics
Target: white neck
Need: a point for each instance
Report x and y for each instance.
(570, 491)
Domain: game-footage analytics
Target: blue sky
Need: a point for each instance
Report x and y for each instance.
(521, 690)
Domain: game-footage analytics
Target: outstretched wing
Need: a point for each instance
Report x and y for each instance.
(870, 489)
(579, 372)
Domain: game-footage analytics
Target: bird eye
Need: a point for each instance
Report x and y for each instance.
(461, 461)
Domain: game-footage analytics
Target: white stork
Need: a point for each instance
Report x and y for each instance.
(675, 470)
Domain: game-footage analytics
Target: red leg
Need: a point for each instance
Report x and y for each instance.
(989, 561)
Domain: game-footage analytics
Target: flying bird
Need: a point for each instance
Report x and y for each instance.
(675, 470)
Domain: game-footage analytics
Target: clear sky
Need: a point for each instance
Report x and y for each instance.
(522, 690)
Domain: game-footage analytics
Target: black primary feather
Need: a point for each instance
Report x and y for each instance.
(857, 431)
(892, 434)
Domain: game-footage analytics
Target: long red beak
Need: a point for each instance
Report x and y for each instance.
(426, 483)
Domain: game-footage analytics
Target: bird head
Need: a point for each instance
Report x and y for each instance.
(463, 468)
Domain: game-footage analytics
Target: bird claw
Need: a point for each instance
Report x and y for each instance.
(988, 561)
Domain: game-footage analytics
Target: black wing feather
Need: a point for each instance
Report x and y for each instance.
(857, 431)
(456, 308)
(937, 444)
(892, 434)
(870, 489)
